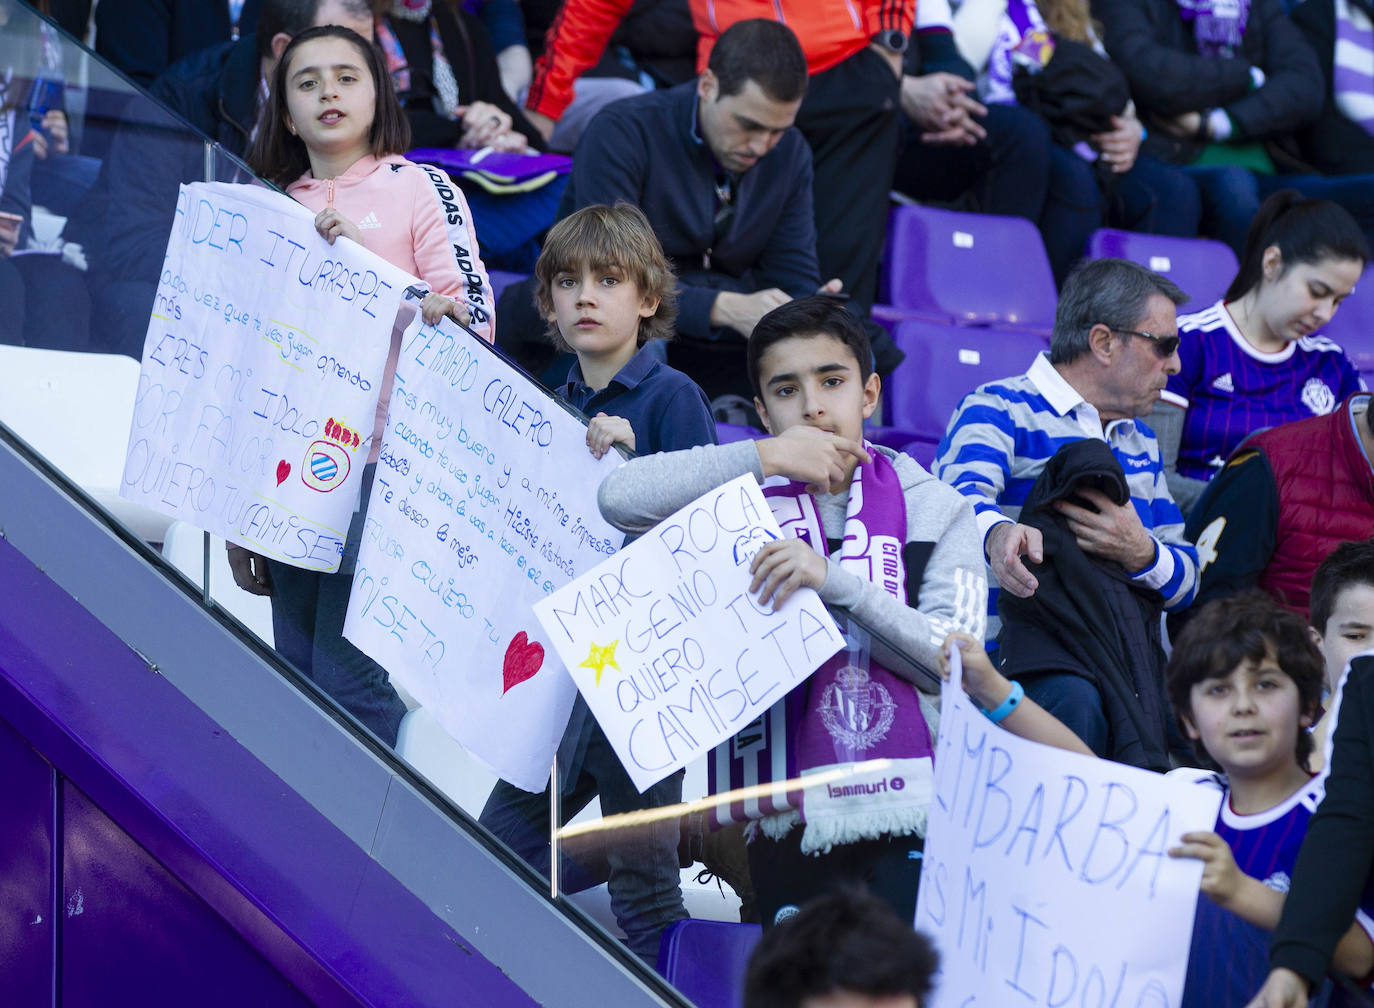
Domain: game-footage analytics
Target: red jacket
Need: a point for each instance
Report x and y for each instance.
(830, 31)
(1326, 497)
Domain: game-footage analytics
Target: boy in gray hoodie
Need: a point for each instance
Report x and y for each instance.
(896, 556)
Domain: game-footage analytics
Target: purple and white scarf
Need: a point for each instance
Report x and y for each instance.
(1352, 65)
(1217, 24)
(1023, 40)
(445, 84)
(850, 711)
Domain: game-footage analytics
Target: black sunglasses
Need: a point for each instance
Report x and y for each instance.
(1165, 346)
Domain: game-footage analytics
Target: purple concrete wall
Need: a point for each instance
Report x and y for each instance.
(26, 864)
(179, 838)
(133, 934)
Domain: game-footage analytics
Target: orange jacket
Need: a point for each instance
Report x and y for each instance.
(830, 31)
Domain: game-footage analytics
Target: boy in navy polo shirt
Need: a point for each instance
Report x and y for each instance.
(607, 290)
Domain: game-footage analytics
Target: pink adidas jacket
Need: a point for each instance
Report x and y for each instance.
(415, 218)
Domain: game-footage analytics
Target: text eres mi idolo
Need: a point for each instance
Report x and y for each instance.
(1046, 880)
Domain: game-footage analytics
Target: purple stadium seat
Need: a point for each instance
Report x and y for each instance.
(705, 960)
(974, 269)
(943, 363)
(888, 316)
(727, 432)
(1202, 267)
(1353, 326)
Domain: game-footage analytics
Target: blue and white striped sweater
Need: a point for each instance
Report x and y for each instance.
(1003, 433)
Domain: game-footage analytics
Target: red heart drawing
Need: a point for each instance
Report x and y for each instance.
(283, 471)
(524, 658)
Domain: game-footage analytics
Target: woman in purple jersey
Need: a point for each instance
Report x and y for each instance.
(1256, 358)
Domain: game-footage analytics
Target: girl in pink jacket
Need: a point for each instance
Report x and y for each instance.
(333, 134)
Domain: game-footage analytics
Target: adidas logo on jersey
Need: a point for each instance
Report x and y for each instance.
(1224, 383)
(369, 222)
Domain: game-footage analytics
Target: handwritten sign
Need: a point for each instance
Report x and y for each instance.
(1046, 880)
(258, 393)
(669, 648)
(484, 502)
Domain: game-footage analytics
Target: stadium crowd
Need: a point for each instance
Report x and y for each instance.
(1152, 537)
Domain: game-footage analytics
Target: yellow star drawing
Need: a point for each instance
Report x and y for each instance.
(599, 657)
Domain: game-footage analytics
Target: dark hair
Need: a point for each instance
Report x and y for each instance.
(291, 17)
(1113, 292)
(1304, 230)
(1231, 630)
(763, 51)
(619, 238)
(1350, 563)
(809, 316)
(283, 17)
(846, 940)
(280, 157)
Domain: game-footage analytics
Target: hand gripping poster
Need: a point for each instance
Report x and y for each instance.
(484, 503)
(261, 371)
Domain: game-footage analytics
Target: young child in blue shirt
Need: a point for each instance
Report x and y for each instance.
(1246, 682)
(1332, 874)
(607, 291)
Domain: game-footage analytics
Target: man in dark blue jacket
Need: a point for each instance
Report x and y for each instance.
(725, 180)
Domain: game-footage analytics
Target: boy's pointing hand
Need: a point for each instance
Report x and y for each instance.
(824, 461)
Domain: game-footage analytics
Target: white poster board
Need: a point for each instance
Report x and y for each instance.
(260, 375)
(484, 502)
(669, 648)
(1046, 879)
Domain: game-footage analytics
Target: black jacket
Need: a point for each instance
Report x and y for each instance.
(144, 38)
(1334, 864)
(469, 51)
(643, 150)
(215, 91)
(1333, 144)
(1088, 617)
(1155, 48)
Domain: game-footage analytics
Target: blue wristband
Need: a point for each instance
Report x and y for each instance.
(1013, 700)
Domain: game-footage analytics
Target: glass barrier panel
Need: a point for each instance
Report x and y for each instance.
(806, 788)
(91, 174)
(90, 167)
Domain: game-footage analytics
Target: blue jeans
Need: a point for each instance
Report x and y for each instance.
(1152, 197)
(1008, 172)
(308, 610)
(1231, 195)
(1074, 701)
(645, 877)
(1156, 198)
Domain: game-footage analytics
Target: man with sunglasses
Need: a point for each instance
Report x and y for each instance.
(1113, 348)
